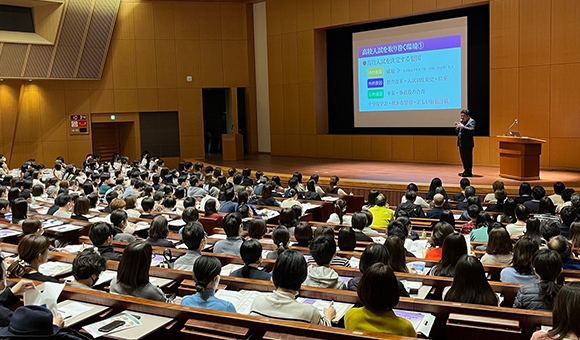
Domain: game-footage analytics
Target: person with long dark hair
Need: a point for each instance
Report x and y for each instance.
(454, 247)
(346, 239)
(397, 252)
(372, 196)
(470, 284)
(311, 193)
(521, 270)
(435, 183)
(533, 230)
(438, 235)
(251, 253)
(339, 215)
(509, 211)
(281, 238)
(540, 296)
(565, 315)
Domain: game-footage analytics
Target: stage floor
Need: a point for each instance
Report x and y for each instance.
(393, 173)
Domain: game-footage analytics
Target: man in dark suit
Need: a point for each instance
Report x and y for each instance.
(465, 130)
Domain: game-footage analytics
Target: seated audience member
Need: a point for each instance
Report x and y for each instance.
(472, 212)
(123, 232)
(438, 235)
(568, 215)
(37, 322)
(289, 273)
(346, 239)
(228, 206)
(359, 221)
(32, 226)
(538, 192)
(525, 193)
(575, 234)
(549, 229)
(133, 273)
(565, 317)
(147, 205)
(509, 211)
(81, 208)
(563, 247)
(418, 200)
(406, 222)
(519, 228)
(195, 191)
(490, 198)
(303, 234)
(435, 183)
(193, 236)
(500, 197)
(333, 187)
(409, 207)
(372, 196)
(470, 284)
(267, 198)
(158, 233)
(398, 229)
(521, 270)
(546, 210)
(499, 248)
(556, 198)
(3, 210)
(533, 231)
(281, 238)
(53, 208)
(322, 249)
(460, 196)
(378, 293)
(368, 229)
(311, 193)
(111, 195)
(19, 208)
(251, 253)
(447, 216)
(101, 235)
(289, 193)
(246, 214)
(566, 197)
(32, 252)
(382, 215)
(540, 295)
(454, 247)
(233, 228)
(131, 207)
(292, 201)
(469, 192)
(397, 254)
(10, 297)
(438, 202)
(247, 181)
(206, 273)
(169, 204)
(86, 269)
(210, 210)
(257, 230)
(339, 215)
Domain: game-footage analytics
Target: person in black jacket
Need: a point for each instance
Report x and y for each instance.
(251, 253)
(9, 297)
(101, 235)
(267, 198)
(158, 233)
(540, 296)
(411, 209)
(465, 130)
(359, 221)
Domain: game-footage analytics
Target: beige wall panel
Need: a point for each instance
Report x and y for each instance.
(290, 58)
(235, 63)
(166, 63)
(534, 101)
(274, 16)
(308, 145)
(359, 10)
(211, 63)
(163, 17)
(29, 117)
(106, 81)
(146, 67)
(424, 5)
(188, 55)
(275, 76)
(210, 26)
(276, 110)
(144, 22)
(233, 20)
(292, 145)
(381, 148)
(307, 109)
(53, 115)
(564, 120)
(190, 112)
(53, 85)
(325, 146)
(168, 100)
(124, 68)
(565, 31)
(361, 147)
(504, 33)
(481, 151)
(493, 151)
(291, 109)
(342, 146)
(401, 7)
(448, 3)
(186, 17)
(78, 150)
(503, 100)
(402, 147)
(77, 102)
(288, 17)
(545, 156)
(53, 149)
(76, 85)
(304, 15)
(535, 28)
(191, 146)
(425, 148)
(23, 151)
(277, 144)
(126, 101)
(125, 24)
(306, 56)
(322, 13)
(148, 100)
(339, 12)
(561, 155)
(379, 9)
(447, 150)
(102, 101)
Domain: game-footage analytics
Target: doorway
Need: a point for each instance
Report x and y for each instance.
(215, 119)
(113, 138)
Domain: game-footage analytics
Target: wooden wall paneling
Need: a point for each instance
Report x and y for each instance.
(290, 58)
(562, 153)
(53, 149)
(9, 97)
(52, 115)
(77, 102)
(534, 101)
(125, 24)
(235, 63)
(163, 18)
(166, 63)
(322, 16)
(504, 33)
(188, 56)
(342, 146)
(307, 109)
(292, 109)
(124, 68)
(467, 2)
(274, 17)
(276, 109)
(565, 85)
(339, 12)
(233, 21)
(481, 151)
(361, 147)
(401, 7)
(106, 82)
(424, 5)
(186, 20)
(145, 64)
(102, 101)
(447, 150)
(277, 145)
(210, 26)
(545, 157)
(448, 3)
(535, 28)
(130, 138)
(304, 15)
(292, 144)
(78, 148)
(212, 63)
(126, 100)
(191, 146)
(306, 56)
(379, 9)
(148, 100)
(403, 148)
(321, 85)
(359, 10)
(325, 146)
(144, 21)
(493, 151)
(565, 31)
(28, 128)
(289, 15)
(425, 148)
(168, 100)
(23, 151)
(503, 99)
(308, 146)
(275, 74)
(190, 112)
(381, 148)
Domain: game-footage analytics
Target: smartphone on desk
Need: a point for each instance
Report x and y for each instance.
(111, 326)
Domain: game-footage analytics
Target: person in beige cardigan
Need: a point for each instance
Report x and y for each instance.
(499, 248)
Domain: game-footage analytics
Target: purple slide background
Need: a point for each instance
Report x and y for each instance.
(429, 44)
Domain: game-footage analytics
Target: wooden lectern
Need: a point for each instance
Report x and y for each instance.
(519, 157)
(232, 147)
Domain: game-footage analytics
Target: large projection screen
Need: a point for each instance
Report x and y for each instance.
(410, 76)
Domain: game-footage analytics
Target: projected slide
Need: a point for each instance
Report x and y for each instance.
(411, 75)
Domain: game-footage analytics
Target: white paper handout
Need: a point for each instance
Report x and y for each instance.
(52, 268)
(340, 307)
(45, 295)
(422, 322)
(73, 309)
(242, 300)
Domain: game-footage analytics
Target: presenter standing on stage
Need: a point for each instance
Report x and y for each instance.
(465, 130)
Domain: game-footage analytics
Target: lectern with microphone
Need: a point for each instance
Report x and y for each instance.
(519, 157)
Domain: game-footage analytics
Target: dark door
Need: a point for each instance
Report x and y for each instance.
(214, 119)
(106, 140)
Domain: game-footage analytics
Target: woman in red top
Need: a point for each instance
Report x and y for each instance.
(438, 235)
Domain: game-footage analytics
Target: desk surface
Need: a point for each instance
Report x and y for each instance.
(149, 324)
(83, 316)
